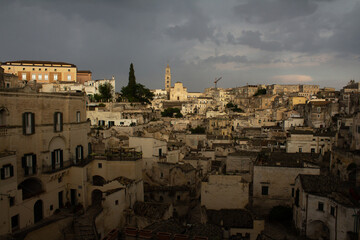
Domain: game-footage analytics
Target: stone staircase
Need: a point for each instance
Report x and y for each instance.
(83, 225)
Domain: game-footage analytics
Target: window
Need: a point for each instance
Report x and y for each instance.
(15, 222)
(57, 159)
(23, 76)
(69, 70)
(292, 192)
(312, 150)
(28, 123)
(69, 77)
(358, 129)
(300, 150)
(40, 77)
(78, 116)
(33, 69)
(58, 122)
(39, 69)
(318, 109)
(23, 69)
(33, 76)
(7, 171)
(29, 164)
(55, 69)
(320, 206)
(55, 77)
(79, 153)
(116, 202)
(46, 77)
(111, 123)
(265, 190)
(11, 201)
(332, 211)
(99, 165)
(45, 69)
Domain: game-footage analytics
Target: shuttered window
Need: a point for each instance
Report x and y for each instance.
(28, 123)
(29, 164)
(7, 171)
(79, 153)
(57, 159)
(58, 122)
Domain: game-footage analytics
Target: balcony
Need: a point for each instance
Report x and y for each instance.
(3, 131)
(47, 169)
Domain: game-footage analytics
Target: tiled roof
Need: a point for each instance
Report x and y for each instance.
(38, 62)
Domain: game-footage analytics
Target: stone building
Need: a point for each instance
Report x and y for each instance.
(83, 76)
(38, 128)
(274, 177)
(178, 92)
(167, 79)
(237, 223)
(323, 209)
(46, 162)
(309, 142)
(41, 71)
(224, 191)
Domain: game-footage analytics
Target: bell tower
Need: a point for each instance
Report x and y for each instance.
(167, 79)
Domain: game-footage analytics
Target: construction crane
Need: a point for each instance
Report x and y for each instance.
(216, 80)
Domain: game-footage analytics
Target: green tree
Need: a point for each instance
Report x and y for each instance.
(169, 112)
(136, 92)
(105, 91)
(197, 130)
(260, 92)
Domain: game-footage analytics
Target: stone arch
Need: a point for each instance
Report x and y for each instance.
(318, 230)
(96, 197)
(31, 187)
(4, 113)
(57, 142)
(98, 180)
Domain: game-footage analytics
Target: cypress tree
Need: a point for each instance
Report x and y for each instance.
(132, 80)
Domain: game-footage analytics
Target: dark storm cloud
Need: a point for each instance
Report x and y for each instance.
(253, 39)
(265, 11)
(200, 39)
(196, 26)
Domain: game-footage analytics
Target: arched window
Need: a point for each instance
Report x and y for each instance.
(3, 116)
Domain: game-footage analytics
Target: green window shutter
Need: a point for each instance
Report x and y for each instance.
(24, 123)
(61, 158)
(11, 171)
(32, 123)
(61, 122)
(34, 163)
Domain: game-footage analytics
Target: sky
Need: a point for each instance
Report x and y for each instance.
(242, 41)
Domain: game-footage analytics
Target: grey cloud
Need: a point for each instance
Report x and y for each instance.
(253, 39)
(226, 59)
(265, 11)
(196, 26)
